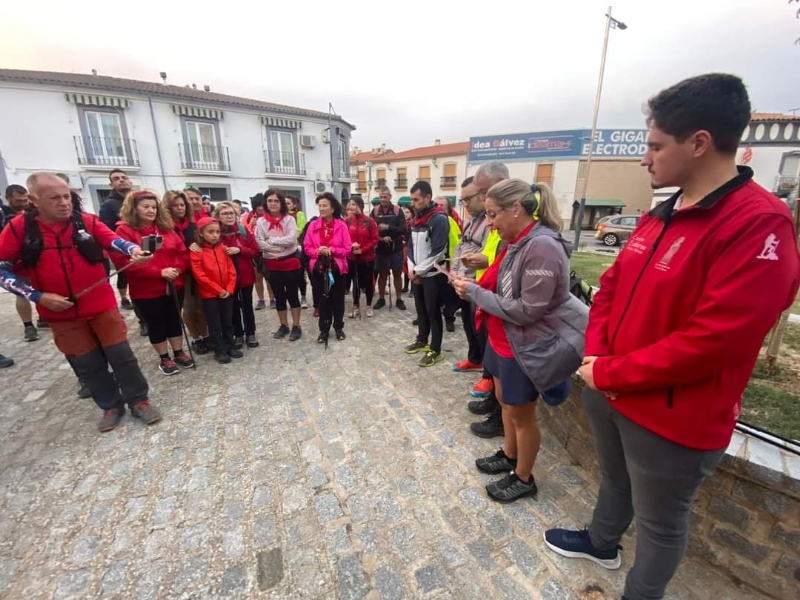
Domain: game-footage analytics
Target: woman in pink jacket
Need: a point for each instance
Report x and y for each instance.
(327, 244)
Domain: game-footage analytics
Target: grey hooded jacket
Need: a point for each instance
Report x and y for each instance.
(545, 324)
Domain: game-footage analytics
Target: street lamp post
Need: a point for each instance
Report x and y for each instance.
(610, 23)
(368, 164)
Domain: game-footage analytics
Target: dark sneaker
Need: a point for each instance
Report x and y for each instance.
(42, 324)
(417, 346)
(322, 337)
(400, 304)
(168, 366)
(486, 406)
(143, 330)
(234, 353)
(6, 362)
(183, 360)
(577, 544)
(430, 358)
(379, 304)
(251, 341)
(282, 332)
(145, 411)
(511, 488)
(496, 463)
(222, 358)
(238, 342)
(450, 326)
(261, 305)
(415, 322)
(110, 419)
(83, 391)
(296, 334)
(340, 335)
(200, 347)
(126, 304)
(31, 334)
(490, 428)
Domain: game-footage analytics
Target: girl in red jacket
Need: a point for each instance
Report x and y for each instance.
(361, 259)
(151, 283)
(215, 274)
(242, 247)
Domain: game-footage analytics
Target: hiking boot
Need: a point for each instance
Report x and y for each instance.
(272, 304)
(234, 353)
(380, 304)
(183, 360)
(303, 302)
(316, 313)
(110, 419)
(222, 358)
(483, 388)
(261, 305)
(354, 313)
(126, 304)
(400, 304)
(467, 365)
(496, 463)
(200, 347)
(31, 334)
(5, 362)
(450, 326)
(143, 330)
(340, 335)
(415, 322)
(511, 488)
(490, 428)
(42, 324)
(430, 358)
(238, 342)
(322, 337)
(145, 411)
(370, 312)
(577, 544)
(296, 334)
(417, 346)
(83, 391)
(251, 341)
(282, 332)
(167, 366)
(486, 406)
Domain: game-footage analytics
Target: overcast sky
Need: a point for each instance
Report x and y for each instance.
(408, 72)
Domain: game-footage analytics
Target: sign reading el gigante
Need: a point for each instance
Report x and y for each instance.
(555, 145)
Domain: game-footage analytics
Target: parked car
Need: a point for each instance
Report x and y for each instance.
(615, 229)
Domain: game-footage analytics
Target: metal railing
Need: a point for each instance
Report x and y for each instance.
(200, 157)
(448, 181)
(380, 182)
(428, 179)
(106, 151)
(401, 183)
(285, 163)
(361, 186)
(786, 184)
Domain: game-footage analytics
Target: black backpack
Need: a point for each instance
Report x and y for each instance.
(580, 289)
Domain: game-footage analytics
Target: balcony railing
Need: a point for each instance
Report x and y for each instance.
(106, 151)
(361, 186)
(401, 183)
(785, 184)
(285, 163)
(380, 182)
(200, 157)
(448, 181)
(428, 179)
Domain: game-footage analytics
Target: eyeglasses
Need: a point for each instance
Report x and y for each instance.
(468, 199)
(493, 215)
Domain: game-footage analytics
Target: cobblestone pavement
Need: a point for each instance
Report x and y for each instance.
(294, 473)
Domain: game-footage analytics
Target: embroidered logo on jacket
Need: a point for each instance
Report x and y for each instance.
(663, 264)
(770, 251)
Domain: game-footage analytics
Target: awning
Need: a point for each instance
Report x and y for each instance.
(94, 100)
(283, 123)
(197, 111)
(601, 202)
(451, 200)
(404, 201)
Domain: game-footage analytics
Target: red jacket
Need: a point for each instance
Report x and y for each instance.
(363, 230)
(61, 268)
(245, 271)
(681, 315)
(145, 281)
(213, 271)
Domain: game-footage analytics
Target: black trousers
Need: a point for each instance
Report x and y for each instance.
(474, 344)
(163, 318)
(124, 384)
(362, 273)
(219, 316)
(428, 300)
(243, 310)
(331, 309)
(450, 303)
(285, 287)
(314, 290)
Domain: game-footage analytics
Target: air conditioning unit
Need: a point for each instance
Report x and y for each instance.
(308, 141)
(320, 187)
(326, 136)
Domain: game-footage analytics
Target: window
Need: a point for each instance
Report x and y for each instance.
(424, 174)
(344, 158)
(202, 143)
(449, 177)
(544, 174)
(217, 194)
(628, 221)
(401, 181)
(282, 151)
(381, 179)
(105, 135)
(362, 181)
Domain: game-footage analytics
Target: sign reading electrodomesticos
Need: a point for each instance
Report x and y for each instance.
(554, 145)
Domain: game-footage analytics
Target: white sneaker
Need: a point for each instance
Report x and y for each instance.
(354, 313)
(369, 312)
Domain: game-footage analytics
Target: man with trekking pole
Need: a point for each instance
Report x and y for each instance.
(63, 252)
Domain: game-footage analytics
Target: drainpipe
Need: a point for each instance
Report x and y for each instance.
(158, 145)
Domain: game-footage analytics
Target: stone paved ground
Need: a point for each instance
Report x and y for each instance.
(294, 473)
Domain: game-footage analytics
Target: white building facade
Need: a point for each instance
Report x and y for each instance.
(166, 137)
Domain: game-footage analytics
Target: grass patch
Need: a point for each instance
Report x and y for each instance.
(772, 408)
(795, 309)
(590, 266)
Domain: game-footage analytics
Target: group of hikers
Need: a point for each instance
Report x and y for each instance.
(664, 352)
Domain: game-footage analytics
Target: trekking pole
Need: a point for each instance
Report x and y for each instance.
(99, 282)
(389, 286)
(357, 289)
(174, 293)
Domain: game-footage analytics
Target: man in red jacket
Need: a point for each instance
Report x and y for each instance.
(676, 328)
(62, 252)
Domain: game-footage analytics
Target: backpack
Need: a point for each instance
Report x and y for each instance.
(580, 289)
(33, 242)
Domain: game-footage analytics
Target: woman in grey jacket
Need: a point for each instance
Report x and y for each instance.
(535, 326)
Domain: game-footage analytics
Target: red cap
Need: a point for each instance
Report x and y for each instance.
(206, 221)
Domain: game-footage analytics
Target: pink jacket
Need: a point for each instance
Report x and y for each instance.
(340, 245)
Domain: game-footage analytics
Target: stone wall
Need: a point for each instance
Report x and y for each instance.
(746, 519)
